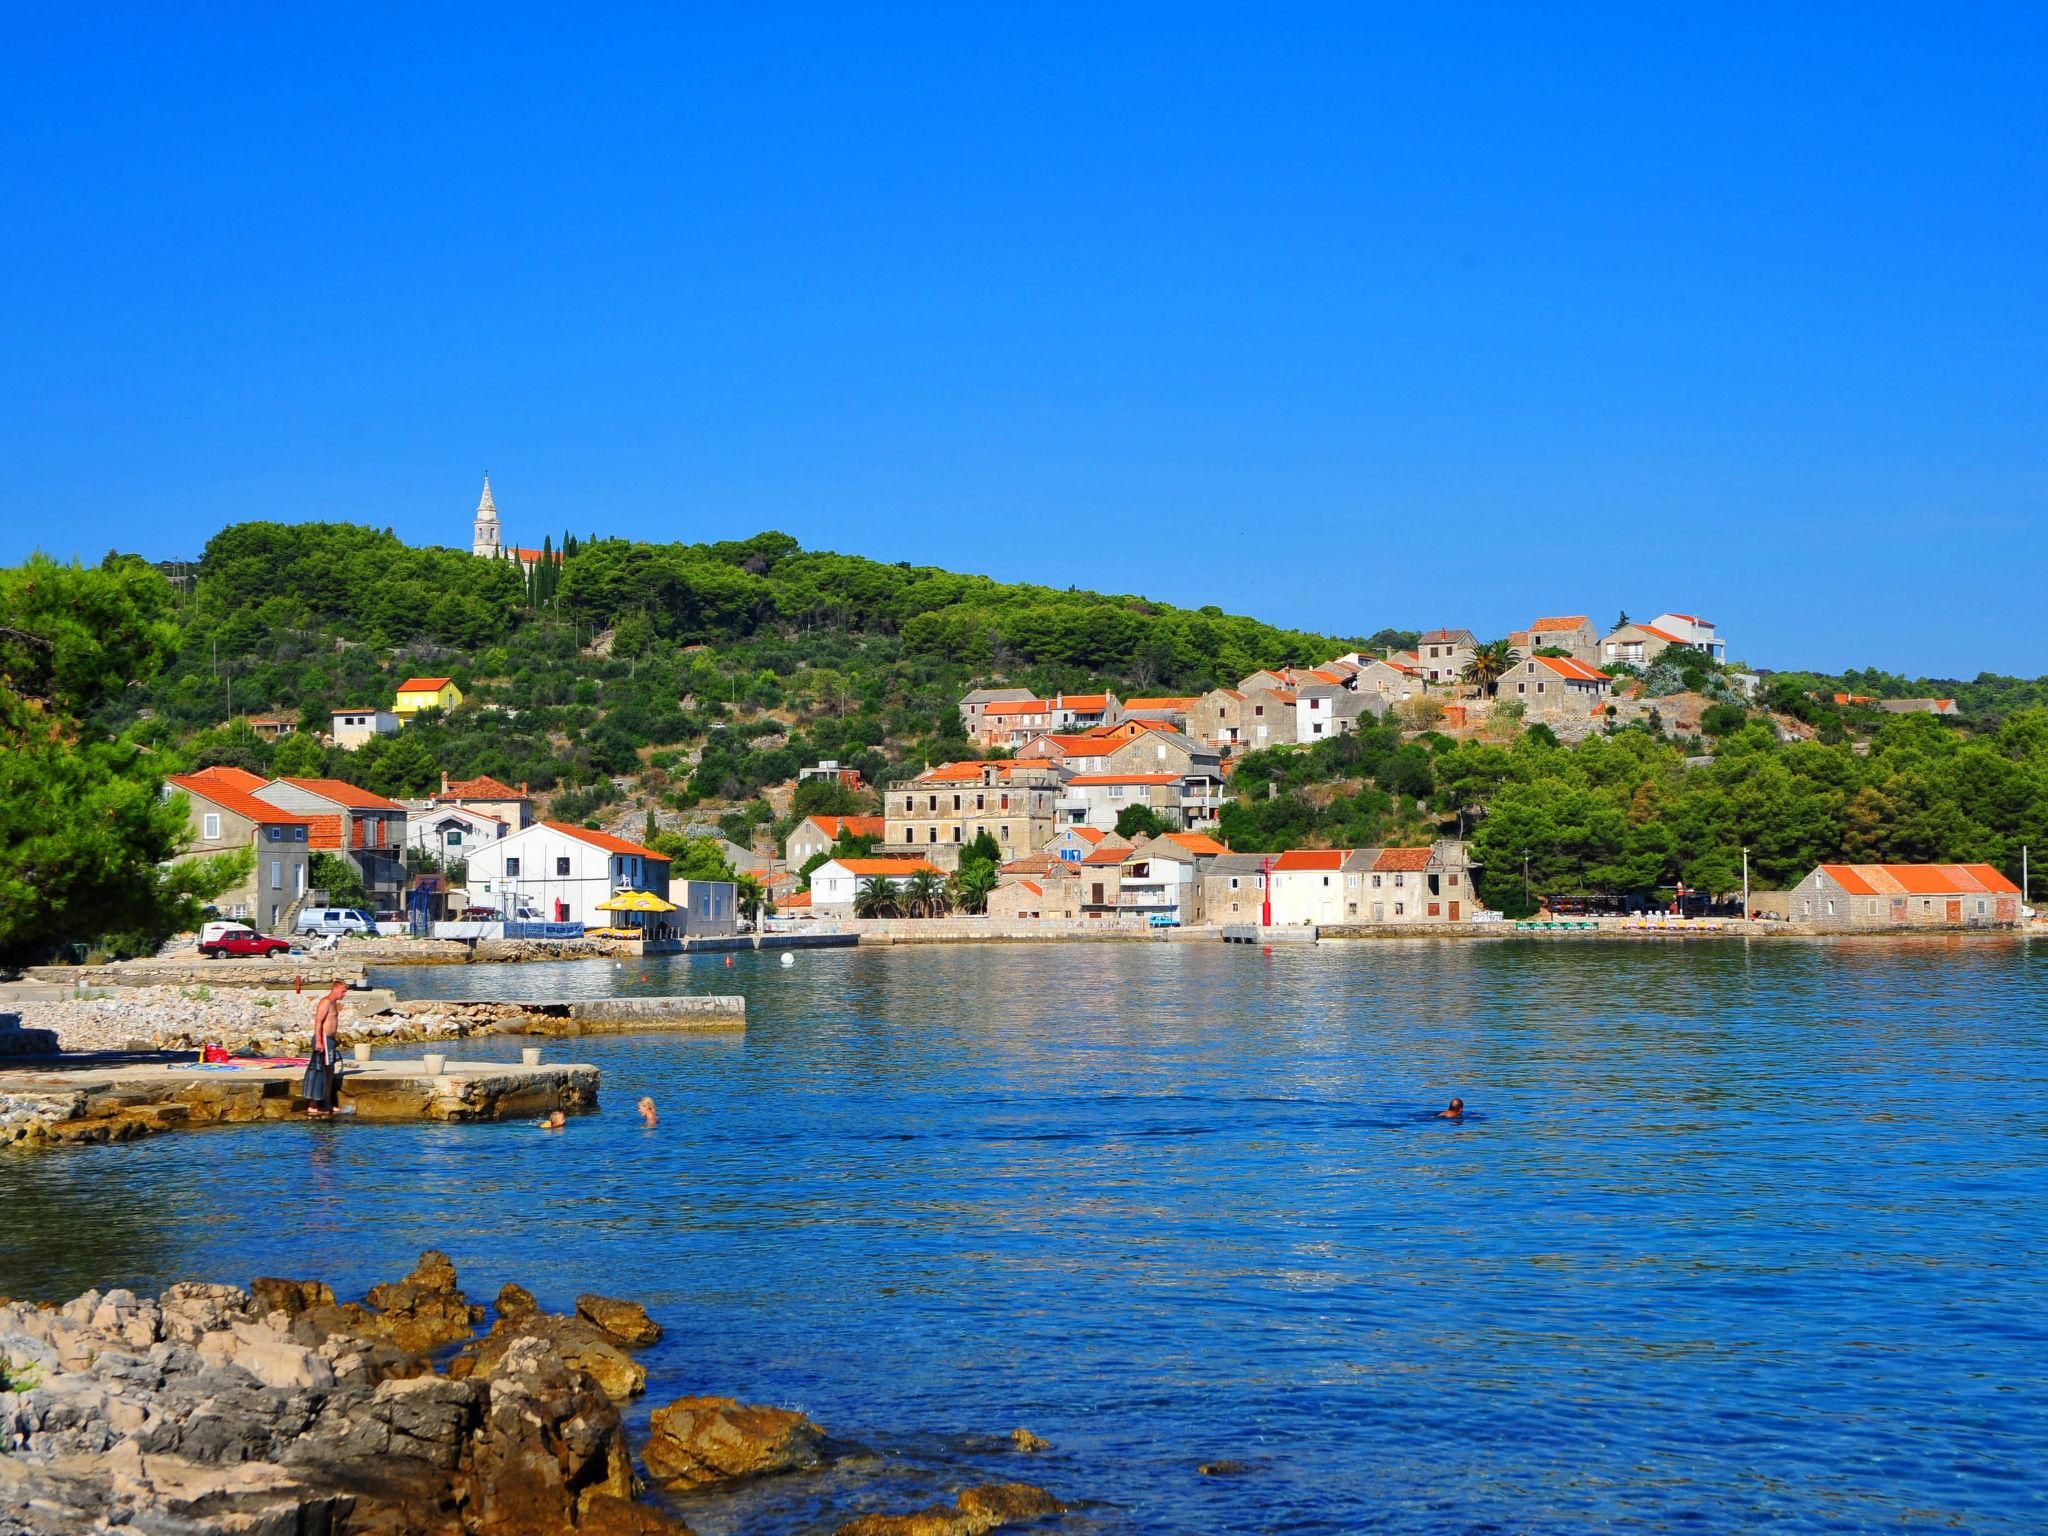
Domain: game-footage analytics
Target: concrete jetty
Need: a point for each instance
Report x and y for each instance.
(76, 1099)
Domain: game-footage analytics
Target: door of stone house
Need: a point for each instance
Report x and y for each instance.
(1955, 911)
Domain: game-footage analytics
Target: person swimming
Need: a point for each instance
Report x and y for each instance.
(1456, 1111)
(646, 1108)
(553, 1122)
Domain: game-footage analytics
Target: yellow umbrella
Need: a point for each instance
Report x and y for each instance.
(636, 901)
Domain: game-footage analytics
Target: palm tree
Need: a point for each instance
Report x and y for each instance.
(1489, 664)
(875, 897)
(924, 893)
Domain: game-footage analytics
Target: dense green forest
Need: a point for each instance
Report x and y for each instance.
(686, 676)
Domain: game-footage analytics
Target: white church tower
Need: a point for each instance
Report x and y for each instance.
(484, 543)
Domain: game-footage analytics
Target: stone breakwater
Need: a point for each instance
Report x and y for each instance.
(217, 1411)
(251, 1021)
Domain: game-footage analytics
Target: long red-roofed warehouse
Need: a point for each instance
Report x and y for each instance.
(1872, 898)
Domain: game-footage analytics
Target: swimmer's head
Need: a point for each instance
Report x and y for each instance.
(1457, 1106)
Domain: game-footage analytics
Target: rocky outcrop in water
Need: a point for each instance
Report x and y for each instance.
(697, 1441)
(213, 1410)
(974, 1512)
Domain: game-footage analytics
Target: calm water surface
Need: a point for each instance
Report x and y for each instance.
(1736, 1235)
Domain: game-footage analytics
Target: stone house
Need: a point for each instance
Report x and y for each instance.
(1071, 844)
(1217, 718)
(1076, 751)
(819, 834)
(1571, 632)
(947, 806)
(489, 797)
(1159, 878)
(973, 704)
(1234, 888)
(367, 830)
(1554, 688)
(1388, 683)
(1161, 752)
(1167, 709)
(1443, 653)
(1882, 897)
(1270, 719)
(226, 817)
(1051, 896)
(1419, 885)
(1637, 644)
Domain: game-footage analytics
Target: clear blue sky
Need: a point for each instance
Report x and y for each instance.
(1342, 318)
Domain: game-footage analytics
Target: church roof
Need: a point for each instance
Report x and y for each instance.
(487, 507)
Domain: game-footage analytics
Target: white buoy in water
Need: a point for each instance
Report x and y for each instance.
(788, 958)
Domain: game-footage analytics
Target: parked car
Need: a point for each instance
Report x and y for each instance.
(232, 939)
(336, 920)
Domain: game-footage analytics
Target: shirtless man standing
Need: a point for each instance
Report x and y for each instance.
(326, 1035)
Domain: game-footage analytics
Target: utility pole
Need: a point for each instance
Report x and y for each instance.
(2026, 889)
(1745, 884)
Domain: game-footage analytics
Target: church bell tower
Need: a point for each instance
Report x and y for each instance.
(484, 542)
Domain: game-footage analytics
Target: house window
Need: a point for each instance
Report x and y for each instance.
(1454, 877)
(1005, 831)
(561, 866)
(210, 825)
(1375, 882)
(454, 839)
(1400, 908)
(1326, 880)
(1831, 906)
(1521, 687)
(979, 802)
(956, 831)
(1400, 880)
(298, 834)
(512, 869)
(277, 874)
(1233, 882)
(931, 834)
(1539, 687)
(956, 802)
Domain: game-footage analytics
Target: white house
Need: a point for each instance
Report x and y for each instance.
(450, 831)
(350, 728)
(836, 882)
(1694, 631)
(561, 873)
(1316, 885)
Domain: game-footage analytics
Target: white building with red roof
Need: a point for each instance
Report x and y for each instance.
(553, 872)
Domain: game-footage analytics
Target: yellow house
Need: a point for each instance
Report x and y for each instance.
(418, 693)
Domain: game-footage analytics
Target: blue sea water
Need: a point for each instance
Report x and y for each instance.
(1735, 1235)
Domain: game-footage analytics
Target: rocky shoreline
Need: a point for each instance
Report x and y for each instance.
(217, 1411)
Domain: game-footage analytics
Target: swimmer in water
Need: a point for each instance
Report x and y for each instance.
(1456, 1111)
(646, 1108)
(552, 1122)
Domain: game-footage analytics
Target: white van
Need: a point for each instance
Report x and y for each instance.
(336, 920)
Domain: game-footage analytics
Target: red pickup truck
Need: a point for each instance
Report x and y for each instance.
(242, 941)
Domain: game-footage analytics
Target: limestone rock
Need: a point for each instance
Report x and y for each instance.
(1028, 1443)
(625, 1321)
(696, 1441)
(1223, 1469)
(551, 1445)
(516, 1301)
(579, 1345)
(290, 1297)
(974, 1512)
(426, 1309)
(609, 1515)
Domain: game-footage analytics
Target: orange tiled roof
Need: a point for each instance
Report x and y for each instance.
(1084, 702)
(483, 787)
(1033, 887)
(1087, 834)
(230, 797)
(798, 899)
(1661, 634)
(1016, 707)
(1408, 859)
(1165, 701)
(423, 684)
(836, 827)
(1920, 879)
(230, 778)
(886, 868)
(603, 840)
(1196, 842)
(1569, 621)
(1566, 666)
(968, 770)
(1311, 859)
(343, 793)
(1112, 854)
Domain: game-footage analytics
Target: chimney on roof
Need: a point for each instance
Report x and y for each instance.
(522, 786)
(444, 781)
